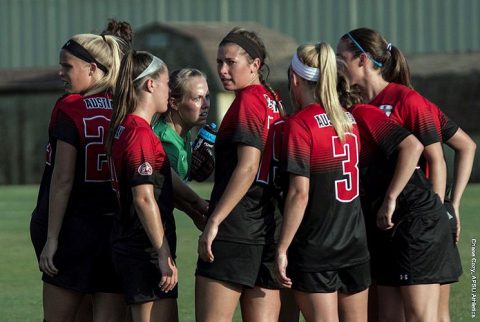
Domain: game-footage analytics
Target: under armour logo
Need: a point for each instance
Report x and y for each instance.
(449, 215)
(404, 277)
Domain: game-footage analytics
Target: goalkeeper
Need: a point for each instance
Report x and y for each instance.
(188, 107)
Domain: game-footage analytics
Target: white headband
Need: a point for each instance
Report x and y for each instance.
(152, 67)
(304, 71)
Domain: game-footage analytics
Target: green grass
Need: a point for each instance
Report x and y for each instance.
(20, 285)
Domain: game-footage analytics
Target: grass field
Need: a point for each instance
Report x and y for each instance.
(20, 285)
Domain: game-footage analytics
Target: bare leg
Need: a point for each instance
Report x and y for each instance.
(60, 304)
(318, 307)
(373, 303)
(215, 301)
(260, 304)
(353, 307)
(421, 302)
(444, 305)
(390, 304)
(159, 310)
(85, 311)
(108, 307)
(289, 311)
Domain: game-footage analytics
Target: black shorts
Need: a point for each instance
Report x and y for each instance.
(414, 252)
(140, 276)
(84, 255)
(348, 280)
(244, 264)
(453, 266)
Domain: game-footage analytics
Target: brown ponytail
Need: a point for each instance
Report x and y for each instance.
(127, 87)
(389, 59)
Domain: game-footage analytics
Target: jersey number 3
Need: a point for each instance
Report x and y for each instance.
(96, 164)
(347, 189)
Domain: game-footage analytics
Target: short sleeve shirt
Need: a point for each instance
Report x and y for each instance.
(138, 158)
(246, 122)
(83, 122)
(332, 233)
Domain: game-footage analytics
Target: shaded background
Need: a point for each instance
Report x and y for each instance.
(440, 37)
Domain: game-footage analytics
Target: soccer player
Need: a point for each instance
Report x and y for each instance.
(379, 70)
(188, 107)
(236, 249)
(71, 224)
(322, 251)
(144, 239)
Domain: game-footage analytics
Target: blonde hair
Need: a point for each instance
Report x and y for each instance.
(323, 57)
(107, 51)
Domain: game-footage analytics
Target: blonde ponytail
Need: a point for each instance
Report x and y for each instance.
(323, 57)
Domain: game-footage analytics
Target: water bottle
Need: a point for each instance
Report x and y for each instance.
(203, 160)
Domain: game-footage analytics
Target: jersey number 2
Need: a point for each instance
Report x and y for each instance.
(96, 164)
(347, 189)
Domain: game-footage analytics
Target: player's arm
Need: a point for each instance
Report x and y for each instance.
(60, 188)
(433, 154)
(464, 148)
(295, 205)
(149, 214)
(189, 201)
(242, 178)
(409, 151)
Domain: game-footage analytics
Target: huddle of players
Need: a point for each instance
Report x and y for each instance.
(354, 205)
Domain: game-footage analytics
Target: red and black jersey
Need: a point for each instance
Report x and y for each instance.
(380, 137)
(246, 122)
(332, 233)
(448, 128)
(83, 122)
(411, 110)
(138, 158)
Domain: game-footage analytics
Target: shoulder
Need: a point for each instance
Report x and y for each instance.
(66, 101)
(253, 94)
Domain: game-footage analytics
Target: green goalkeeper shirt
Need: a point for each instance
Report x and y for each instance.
(179, 150)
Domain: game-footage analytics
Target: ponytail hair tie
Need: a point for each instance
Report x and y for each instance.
(389, 46)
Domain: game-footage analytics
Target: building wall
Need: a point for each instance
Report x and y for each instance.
(32, 31)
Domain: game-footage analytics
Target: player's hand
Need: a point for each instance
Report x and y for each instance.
(205, 242)
(385, 213)
(168, 271)
(45, 262)
(281, 263)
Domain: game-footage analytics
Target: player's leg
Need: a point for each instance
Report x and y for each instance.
(60, 304)
(215, 301)
(353, 307)
(289, 311)
(390, 304)
(165, 310)
(444, 304)
(85, 310)
(260, 304)
(421, 302)
(108, 307)
(318, 307)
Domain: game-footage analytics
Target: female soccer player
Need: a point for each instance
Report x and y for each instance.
(379, 69)
(236, 249)
(70, 227)
(188, 107)
(144, 237)
(323, 238)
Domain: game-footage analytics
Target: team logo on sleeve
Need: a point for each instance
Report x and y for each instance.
(145, 169)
